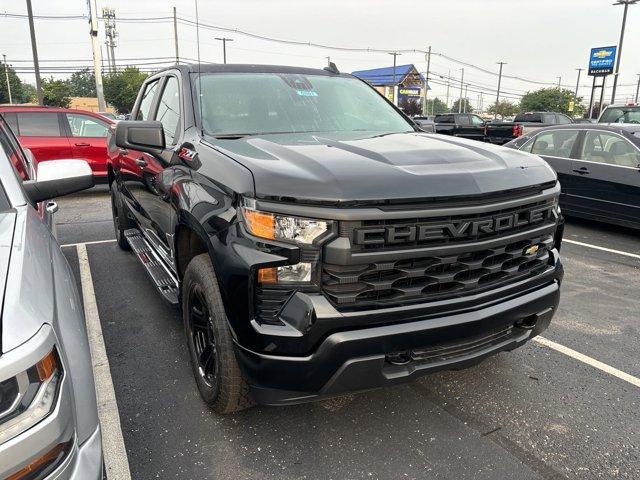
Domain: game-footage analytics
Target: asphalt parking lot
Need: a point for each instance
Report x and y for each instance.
(532, 413)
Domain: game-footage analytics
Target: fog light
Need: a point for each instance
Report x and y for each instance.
(286, 274)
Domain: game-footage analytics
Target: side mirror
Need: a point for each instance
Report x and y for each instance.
(55, 178)
(144, 136)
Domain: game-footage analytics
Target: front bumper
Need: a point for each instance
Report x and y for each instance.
(366, 358)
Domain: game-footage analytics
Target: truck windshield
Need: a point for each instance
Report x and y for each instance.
(620, 115)
(238, 104)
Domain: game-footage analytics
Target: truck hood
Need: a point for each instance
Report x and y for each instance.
(25, 261)
(359, 167)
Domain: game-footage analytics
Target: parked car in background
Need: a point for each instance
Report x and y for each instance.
(598, 167)
(49, 425)
(620, 114)
(426, 124)
(464, 125)
(500, 132)
(61, 133)
(584, 120)
(530, 121)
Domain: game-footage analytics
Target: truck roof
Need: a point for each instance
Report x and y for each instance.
(250, 68)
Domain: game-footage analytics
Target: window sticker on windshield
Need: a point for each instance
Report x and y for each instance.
(307, 93)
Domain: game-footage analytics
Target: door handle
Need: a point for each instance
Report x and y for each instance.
(141, 162)
(582, 170)
(51, 208)
(82, 144)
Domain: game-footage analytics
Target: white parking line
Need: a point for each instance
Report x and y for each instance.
(115, 455)
(111, 240)
(604, 249)
(588, 360)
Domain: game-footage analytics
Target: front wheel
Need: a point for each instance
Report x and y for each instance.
(216, 371)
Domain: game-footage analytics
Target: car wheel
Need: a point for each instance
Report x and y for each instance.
(120, 220)
(218, 376)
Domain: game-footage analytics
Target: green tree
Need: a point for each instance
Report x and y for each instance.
(19, 94)
(56, 93)
(411, 106)
(503, 109)
(121, 88)
(435, 106)
(83, 83)
(551, 100)
(465, 102)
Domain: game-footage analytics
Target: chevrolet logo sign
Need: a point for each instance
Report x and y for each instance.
(458, 230)
(603, 53)
(532, 250)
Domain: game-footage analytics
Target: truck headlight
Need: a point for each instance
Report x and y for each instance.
(29, 397)
(274, 226)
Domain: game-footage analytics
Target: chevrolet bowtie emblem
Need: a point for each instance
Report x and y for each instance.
(532, 250)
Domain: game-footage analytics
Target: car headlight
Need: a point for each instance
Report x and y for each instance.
(29, 397)
(274, 226)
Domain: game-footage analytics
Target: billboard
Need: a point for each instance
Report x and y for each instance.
(602, 61)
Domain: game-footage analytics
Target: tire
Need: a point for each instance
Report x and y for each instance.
(120, 220)
(211, 351)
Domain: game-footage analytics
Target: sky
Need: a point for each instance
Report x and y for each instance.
(539, 40)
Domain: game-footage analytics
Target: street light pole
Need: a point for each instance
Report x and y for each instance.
(97, 55)
(495, 115)
(6, 76)
(637, 86)
(175, 34)
(426, 83)
(34, 50)
(559, 92)
(626, 4)
(224, 47)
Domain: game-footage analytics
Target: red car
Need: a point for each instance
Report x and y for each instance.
(61, 133)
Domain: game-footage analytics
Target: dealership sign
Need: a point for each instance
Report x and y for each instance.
(602, 61)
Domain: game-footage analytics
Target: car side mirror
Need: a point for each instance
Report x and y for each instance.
(55, 178)
(144, 136)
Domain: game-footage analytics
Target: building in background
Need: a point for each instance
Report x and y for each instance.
(405, 90)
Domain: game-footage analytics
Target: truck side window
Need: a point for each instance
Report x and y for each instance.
(548, 118)
(563, 119)
(476, 120)
(147, 100)
(462, 120)
(169, 110)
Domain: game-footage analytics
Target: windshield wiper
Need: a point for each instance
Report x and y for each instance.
(231, 136)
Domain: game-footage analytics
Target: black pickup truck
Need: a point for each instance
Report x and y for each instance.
(464, 125)
(317, 242)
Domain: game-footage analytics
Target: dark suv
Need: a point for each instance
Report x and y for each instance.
(317, 242)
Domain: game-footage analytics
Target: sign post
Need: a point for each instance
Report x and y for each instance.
(602, 62)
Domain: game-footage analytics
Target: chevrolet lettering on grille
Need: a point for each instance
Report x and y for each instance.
(459, 230)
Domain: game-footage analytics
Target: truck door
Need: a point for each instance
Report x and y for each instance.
(477, 128)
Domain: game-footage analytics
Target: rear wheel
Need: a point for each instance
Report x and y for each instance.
(120, 220)
(211, 350)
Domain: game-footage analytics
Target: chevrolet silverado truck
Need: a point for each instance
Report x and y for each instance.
(317, 242)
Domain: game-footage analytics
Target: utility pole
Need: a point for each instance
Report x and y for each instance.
(109, 15)
(224, 47)
(6, 76)
(577, 83)
(626, 4)
(466, 87)
(34, 50)
(559, 92)
(426, 83)
(448, 85)
(175, 34)
(97, 57)
(461, 86)
(637, 86)
(495, 115)
(328, 61)
(395, 55)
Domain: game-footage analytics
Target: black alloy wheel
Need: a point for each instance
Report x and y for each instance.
(201, 336)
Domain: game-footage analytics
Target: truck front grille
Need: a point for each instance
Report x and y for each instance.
(436, 277)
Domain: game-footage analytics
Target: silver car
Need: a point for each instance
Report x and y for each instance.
(48, 415)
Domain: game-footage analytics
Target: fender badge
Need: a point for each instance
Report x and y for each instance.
(532, 250)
